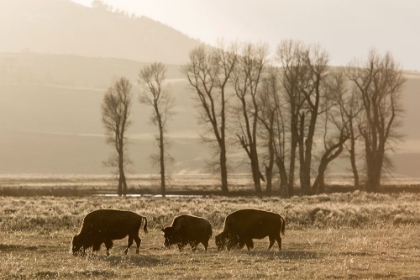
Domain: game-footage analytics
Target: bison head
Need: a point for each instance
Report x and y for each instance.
(228, 240)
(76, 245)
(171, 237)
(221, 240)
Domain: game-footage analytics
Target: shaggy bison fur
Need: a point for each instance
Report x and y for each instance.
(106, 225)
(244, 225)
(188, 229)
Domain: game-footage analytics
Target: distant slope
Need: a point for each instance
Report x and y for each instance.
(71, 70)
(51, 118)
(50, 112)
(53, 129)
(63, 27)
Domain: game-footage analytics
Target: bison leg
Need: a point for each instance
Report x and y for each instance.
(193, 245)
(130, 242)
(249, 243)
(181, 245)
(138, 241)
(242, 242)
(83, 250)
(278, 239)
(205, 244)
(96, 246)
(108, 245)
(272, 240)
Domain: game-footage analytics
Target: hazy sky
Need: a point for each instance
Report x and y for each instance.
(345, 28)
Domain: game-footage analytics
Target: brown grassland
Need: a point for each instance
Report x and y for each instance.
(353, 235)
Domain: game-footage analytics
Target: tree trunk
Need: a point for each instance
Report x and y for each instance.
(308, 144)
(292, 167)
(162, 160)
(353, 165)
(352, 153)
(222, 142)
(120, 190)
(293, 147)
(304, 162)
(256, 174)
(374, 172)
(284, 191)
(257, 179)
(124, 184)
(268, 177)
(269, 168)
(121, 178)
(319, 183)
(223, 169)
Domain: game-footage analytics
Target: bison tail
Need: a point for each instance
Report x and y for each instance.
(145, 225)
(210, 231)
(282, 224)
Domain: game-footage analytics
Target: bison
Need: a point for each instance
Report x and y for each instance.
(244, 225)
(188, 229)
(106, 225)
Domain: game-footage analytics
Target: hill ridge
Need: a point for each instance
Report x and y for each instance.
(65, 27)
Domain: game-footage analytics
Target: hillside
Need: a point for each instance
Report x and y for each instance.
(50, 107)
(70, 70)
(63, 27)
(51, 111)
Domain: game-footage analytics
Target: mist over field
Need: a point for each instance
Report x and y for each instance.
(57, 129)
(52, 120)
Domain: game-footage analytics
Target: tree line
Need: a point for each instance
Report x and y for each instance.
(290, 112)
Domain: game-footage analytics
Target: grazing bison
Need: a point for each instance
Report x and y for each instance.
(105, 225)
(188, 229)
(244, 225)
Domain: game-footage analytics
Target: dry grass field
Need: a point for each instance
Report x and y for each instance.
(338, 236)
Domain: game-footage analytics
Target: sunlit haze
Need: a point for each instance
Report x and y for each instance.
(346, 28)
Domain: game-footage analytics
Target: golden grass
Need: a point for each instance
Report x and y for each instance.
(340, 236)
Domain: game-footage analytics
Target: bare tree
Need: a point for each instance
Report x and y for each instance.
(151, 79)
(291, 57)
(280, 141)
(294, 78)
(245, 79)
(316, 61)
(355, 117)
(313, 94)
(272, 126)
(379, 82)
(338, 119)
(208, 73)
(116, 107)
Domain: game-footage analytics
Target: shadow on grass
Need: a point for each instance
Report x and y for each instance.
(284, 254)
(356, 254)
(137, 260)
(373, 276)
(87, 273)
(4, 247)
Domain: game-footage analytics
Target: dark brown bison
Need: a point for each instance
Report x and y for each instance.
(106, 225)
(244, 225)
(188, 229)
